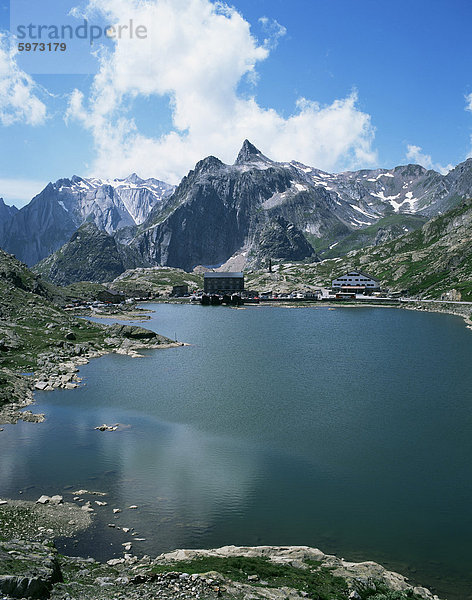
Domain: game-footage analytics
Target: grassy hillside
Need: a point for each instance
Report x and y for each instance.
(156, 280)
(427, 262)
(37, 336)
(90, 255)
(386, 229)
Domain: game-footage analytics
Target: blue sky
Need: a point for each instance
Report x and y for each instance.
(385, 83)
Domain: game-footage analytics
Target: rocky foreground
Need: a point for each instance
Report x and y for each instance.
(35, 570)
(30, 566)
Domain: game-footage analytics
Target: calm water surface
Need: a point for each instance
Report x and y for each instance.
(347, 429)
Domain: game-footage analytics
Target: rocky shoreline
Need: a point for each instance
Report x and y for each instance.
(34, 569)
(31, 567)
(60, 369)
(437, 306)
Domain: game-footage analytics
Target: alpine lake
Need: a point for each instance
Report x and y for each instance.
(349, 430)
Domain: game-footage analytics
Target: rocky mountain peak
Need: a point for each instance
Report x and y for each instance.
(249, 153)
(4, 204)
(208, 164)
(134, 178)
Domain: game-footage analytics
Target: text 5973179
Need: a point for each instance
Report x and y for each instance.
(42, 47)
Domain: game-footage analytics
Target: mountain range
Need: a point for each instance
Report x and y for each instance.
(49, 220)
(227, 216)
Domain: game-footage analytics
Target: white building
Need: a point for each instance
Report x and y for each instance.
(355, 282)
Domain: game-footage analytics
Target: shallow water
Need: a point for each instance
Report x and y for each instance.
(348, 430)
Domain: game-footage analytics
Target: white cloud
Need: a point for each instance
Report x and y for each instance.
(415, 155)
(196, 54)
(274, 31)
(468, 101)
(20, 191)
(19, 102)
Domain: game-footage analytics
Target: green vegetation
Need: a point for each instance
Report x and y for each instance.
(82, 291)
(31, 325)
(90, 255)
(427, 262)
(317, 581)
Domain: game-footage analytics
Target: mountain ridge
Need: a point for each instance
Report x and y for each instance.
(220, 213)
(48, 221)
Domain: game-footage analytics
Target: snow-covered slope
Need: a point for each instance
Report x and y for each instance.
(112, 203)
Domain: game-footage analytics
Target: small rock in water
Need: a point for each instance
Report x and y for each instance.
(106, 427)
(100, 503)
(83, 492)
(126, 529)
(116, 510)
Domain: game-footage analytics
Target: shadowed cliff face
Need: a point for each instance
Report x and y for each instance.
(218, 210)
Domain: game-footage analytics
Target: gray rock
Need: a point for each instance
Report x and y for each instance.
(104, 581)
(43, 500)
(32, 573)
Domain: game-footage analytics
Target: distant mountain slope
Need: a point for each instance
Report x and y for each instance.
(90, 255)
(427, 262)
(49, 220)
(384, 230)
